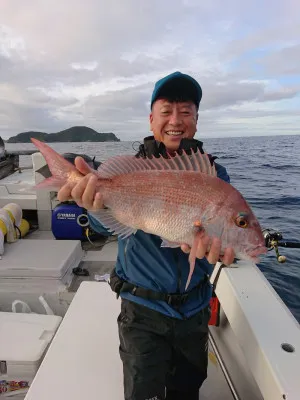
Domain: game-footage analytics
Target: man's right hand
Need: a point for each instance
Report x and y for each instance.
(84, 192)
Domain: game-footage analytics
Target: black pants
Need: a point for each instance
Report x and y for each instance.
(163, 357)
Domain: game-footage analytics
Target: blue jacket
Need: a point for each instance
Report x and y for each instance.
(144, 263)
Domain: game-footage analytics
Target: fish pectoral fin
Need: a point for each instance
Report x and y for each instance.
(167, 243)
(106, 218)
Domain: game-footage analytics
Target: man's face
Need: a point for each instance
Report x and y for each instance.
(170, 122)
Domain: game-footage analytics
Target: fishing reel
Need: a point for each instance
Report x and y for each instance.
(273, 241)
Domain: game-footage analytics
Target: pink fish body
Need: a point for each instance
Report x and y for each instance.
(166, 197)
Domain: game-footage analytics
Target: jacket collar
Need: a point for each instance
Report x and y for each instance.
(152, 147)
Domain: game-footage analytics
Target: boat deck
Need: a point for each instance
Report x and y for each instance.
(85, 352)
(98, 263)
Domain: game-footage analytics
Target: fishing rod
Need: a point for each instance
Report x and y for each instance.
(273, 240)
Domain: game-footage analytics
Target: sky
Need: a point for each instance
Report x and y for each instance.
(95, 63)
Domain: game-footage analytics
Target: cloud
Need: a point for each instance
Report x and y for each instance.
(89, 66)
(283, 93)
(285, 61)
(95, 63)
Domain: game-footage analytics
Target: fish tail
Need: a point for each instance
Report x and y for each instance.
(60, 168)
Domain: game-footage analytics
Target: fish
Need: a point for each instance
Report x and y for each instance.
(176, 198)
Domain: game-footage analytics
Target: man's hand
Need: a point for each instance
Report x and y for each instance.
(211, 248)
(84, 192)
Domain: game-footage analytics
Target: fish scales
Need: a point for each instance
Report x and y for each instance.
(156, 199)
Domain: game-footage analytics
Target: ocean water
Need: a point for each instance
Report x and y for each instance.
(266, 170)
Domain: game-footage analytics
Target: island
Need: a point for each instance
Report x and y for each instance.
(73, 134)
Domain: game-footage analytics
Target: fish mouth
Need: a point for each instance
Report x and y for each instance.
(252, 254)
(258, 250)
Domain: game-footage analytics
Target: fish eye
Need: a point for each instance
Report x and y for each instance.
(242, 220)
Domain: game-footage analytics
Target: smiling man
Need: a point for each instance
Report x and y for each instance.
(163, 329)
(175, 101)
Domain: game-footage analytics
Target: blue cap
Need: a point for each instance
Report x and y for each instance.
(177, 86)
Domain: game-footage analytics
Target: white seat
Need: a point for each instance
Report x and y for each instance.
(83, 359)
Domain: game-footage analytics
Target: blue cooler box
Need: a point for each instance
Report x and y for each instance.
(69, 221)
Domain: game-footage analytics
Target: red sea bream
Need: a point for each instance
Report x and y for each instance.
(175, 198)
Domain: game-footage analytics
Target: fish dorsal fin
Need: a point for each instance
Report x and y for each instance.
(124, 164)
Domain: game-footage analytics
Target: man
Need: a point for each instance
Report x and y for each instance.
(163, 330)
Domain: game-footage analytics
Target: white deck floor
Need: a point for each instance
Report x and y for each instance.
(92, 298)
(83, 360)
